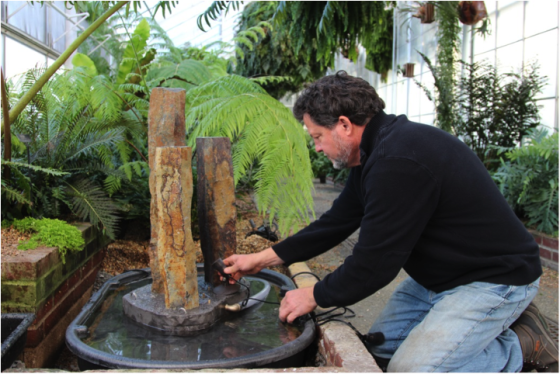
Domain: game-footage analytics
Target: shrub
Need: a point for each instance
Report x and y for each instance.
(528, 179)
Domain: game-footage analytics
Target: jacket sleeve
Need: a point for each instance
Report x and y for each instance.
(335, 225)
(400, 197)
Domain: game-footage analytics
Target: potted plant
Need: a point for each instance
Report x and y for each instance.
(471, 12)
(425, 13)
(408, 70)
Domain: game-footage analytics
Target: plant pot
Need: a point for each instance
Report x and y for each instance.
(408, 70)
(14, 336)
(322, 179)
(471, 12)
(426, 13)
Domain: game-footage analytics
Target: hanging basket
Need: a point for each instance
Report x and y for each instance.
(426, 13)
(471, 12)
(408, 70)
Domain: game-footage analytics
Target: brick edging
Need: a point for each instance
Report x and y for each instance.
(548, 248)
(338, 343)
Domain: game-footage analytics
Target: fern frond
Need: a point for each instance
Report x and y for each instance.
(90, 203)
(48, 171)
(214, 11)
(190, 71)
(264, 130)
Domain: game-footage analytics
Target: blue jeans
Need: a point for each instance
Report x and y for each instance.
(465, 329)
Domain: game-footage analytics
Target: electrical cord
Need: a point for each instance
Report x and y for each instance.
(376, 338)
(306, 272)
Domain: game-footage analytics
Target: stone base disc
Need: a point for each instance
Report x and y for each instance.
(148, 309)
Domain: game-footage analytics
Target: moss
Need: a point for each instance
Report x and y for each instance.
(50, 233)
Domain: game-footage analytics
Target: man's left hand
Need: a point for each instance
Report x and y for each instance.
(297, 303)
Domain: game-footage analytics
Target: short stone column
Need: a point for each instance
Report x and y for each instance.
(216, 202)
(166, 127)
(176, 252)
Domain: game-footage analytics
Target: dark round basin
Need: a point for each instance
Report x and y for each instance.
(102, 337)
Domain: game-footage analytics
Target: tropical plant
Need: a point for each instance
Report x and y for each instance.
(528, 178)
(92, 127)
(496, 110)
(320, 28)
(26, 98)
(275, 54)
(16, 190)
(263, 132)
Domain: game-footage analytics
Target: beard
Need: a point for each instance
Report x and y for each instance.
(344, 150)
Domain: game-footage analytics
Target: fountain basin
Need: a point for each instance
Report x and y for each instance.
(14, 336)
(102, 337)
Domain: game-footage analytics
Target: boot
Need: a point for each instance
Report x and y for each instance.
(540, 350)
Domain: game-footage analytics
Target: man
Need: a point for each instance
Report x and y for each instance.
(423, 202)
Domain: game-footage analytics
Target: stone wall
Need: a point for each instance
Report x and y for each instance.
(36, 281)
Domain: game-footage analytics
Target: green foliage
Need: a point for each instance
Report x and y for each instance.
(528, 178)
(50, 233)
(379, 44)
(496, 110)
(320, 164)
(16, 191)
(329, 26)
(138, 41)
(214, 11)
(444, 70)
(103, 6)
(263, 131)
(79, 128)
(274, 54)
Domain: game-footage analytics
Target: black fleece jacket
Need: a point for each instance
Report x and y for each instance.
(423, 202)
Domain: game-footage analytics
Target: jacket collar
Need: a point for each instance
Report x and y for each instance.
(370, 134)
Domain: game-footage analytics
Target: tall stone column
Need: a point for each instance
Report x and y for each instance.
(166, 127)
(175, 247)
(216, 202)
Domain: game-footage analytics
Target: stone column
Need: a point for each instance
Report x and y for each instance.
(175, 248)
(166, 127)
(216, 202)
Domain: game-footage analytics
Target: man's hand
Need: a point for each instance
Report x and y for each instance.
(241, 265)
(297, 303)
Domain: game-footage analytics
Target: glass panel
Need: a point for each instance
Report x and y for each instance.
(387, 97)
(510, 57)
(414, 118)
(57, 26)
(20, 58)
(2, 38)
(414, 99)
(540, 16)
(510, 22)
(543, 49)
(426, 105)
(30, 19)
(427, 119)
(417, 45)
(485, 44)
(429, 45)
(489, 57)
(547, 111)
(401, 98)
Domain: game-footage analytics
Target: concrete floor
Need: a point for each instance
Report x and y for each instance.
(369, 309)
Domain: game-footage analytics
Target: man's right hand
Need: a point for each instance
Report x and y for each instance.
(241, 265)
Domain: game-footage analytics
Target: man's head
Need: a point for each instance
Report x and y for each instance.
(335, 110)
